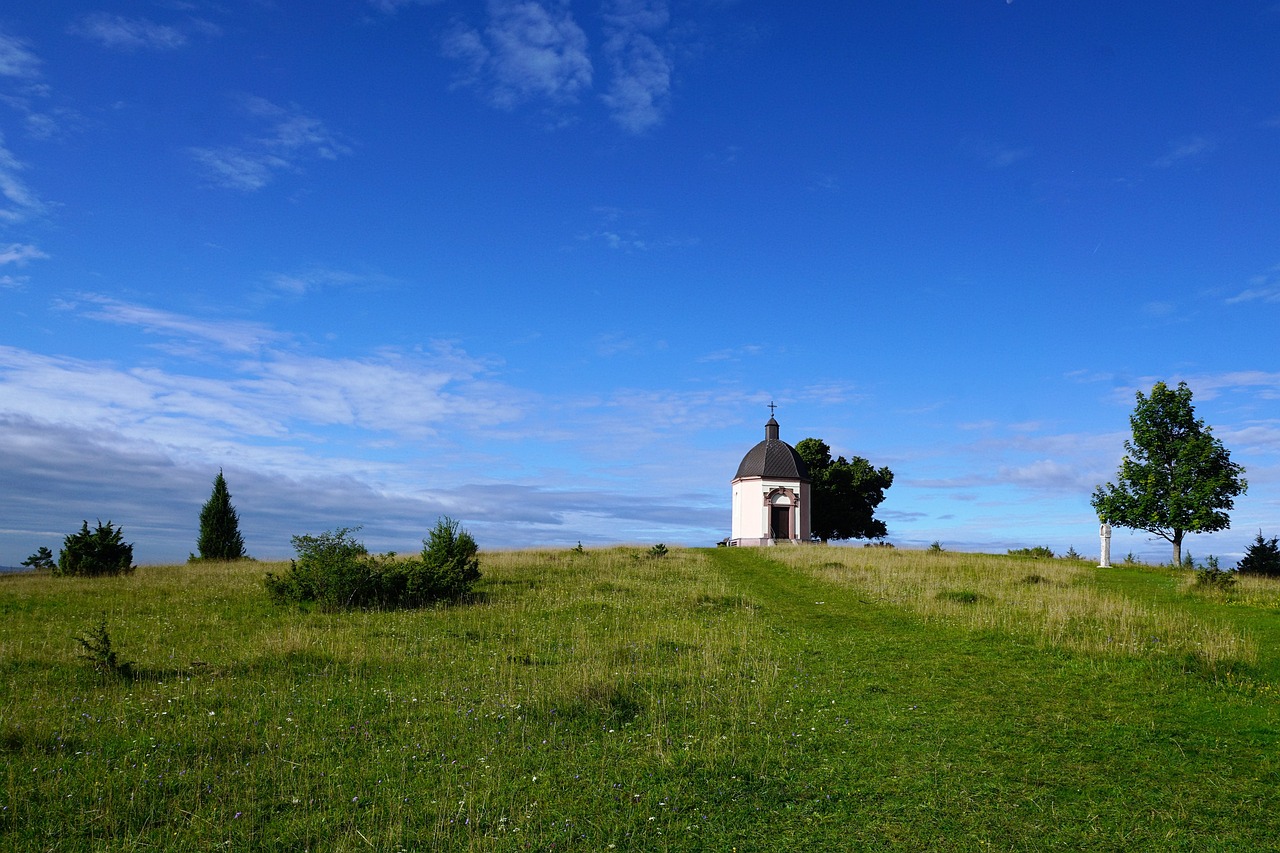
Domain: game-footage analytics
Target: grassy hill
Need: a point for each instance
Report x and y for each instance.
(749, 699)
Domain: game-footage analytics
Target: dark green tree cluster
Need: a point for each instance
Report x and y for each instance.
(101, 551)
(1261, 558)
(844, 493)
(1176, 477)
(334, 570)
(220, 537)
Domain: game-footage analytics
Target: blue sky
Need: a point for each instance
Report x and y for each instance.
(541, 265)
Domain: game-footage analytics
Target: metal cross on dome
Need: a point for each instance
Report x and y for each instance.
(772, 406)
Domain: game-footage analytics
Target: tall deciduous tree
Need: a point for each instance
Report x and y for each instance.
(1176, 477)
(220, 537)
(844, 493)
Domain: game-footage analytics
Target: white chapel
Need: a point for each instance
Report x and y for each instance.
(771, 493)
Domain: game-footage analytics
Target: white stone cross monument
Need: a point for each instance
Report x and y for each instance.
(1105, 532)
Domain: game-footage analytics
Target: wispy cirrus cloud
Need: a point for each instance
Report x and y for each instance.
(17, 60)
(232, 336)
(1184, 149)
(23, 89)
(17, 254)
(289, 137)
(321, 278)
(117, 32)
(527, 51)
(390, 7)
(1262, 288)
(995, 155)
(19, 202)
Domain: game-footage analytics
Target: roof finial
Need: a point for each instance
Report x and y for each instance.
(772, 406)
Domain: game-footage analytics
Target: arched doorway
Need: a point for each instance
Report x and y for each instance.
(781, 514)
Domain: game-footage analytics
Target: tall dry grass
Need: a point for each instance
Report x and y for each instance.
(1054, 602)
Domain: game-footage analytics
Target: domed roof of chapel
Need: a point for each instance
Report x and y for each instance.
(773, 459)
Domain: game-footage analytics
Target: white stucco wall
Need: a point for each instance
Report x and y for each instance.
(751, 512)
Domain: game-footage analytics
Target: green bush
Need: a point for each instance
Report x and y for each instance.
(1212, 577)
(1261, 558)
(95, 552)
(1038, 551)
(334, 570)
(447, 567)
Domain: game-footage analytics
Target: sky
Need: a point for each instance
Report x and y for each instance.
(540, 266)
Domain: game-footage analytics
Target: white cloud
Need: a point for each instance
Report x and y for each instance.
(16, 59)
(291, 137)
(238, 169)
(994, 155)
(641, 70)
(1262, 288)
(19, 253)
(319, 278)
(1183, 150)
(230, 336)
(392, 6)
(528, 51)
(1049, 475)
(120, 33)
(20, 202)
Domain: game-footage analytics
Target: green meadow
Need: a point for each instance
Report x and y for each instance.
(814, 698)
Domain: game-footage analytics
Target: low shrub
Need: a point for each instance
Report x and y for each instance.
(334, 570)
(1038, 551)
(1212, 577)
(102, 551)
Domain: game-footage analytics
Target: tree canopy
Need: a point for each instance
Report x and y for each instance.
(844, 493)
(220, 537)
(1176, 477)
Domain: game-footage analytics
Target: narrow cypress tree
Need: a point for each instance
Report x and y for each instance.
(220, 537)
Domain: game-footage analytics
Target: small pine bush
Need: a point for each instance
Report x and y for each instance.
(96, 648)
(1261, 558)
(95, 552)
(41, 559)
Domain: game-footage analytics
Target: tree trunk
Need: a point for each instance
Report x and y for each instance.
(1177, 549)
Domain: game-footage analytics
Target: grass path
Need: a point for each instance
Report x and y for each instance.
(965, 740)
